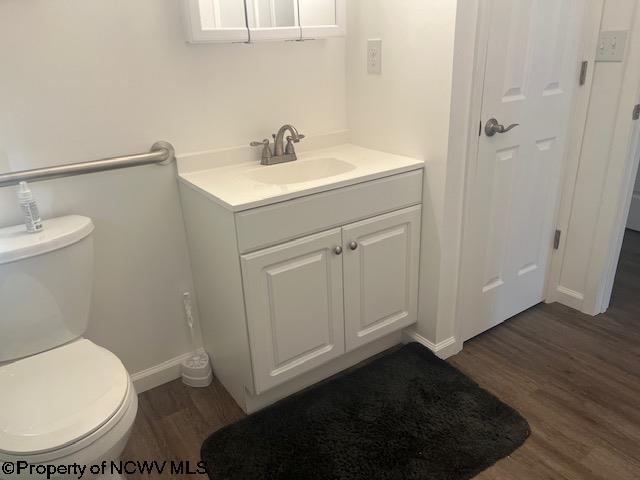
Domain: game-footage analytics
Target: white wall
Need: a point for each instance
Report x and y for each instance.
(83, 80)
(406, 110)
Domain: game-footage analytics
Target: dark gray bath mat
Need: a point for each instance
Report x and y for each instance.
(405, 416)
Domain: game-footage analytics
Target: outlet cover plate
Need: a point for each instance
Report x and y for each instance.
(374, 56)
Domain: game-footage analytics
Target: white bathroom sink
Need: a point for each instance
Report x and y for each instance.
(240, 183)
(300, 171)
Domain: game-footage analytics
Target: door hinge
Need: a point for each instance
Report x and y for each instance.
(480, 129)
(556, 239)
(636, 112)
(583, 72)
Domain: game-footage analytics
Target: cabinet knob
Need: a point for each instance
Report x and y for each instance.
(338, 250)
(353, 245)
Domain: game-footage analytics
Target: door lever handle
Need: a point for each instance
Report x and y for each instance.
(492, 127)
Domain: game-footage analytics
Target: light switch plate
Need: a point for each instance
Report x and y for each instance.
(374, 56)
(611, 46)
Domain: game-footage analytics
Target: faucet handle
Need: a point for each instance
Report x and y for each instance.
(295, 139)
(291, 139)
(266, 150)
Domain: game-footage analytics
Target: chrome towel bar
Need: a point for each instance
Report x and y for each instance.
(161, 153)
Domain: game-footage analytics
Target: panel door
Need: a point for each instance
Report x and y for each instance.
(381, 263)
(294, 302)
(531, 73)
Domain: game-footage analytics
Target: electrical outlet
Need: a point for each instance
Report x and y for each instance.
(611, 46)
(374, 56)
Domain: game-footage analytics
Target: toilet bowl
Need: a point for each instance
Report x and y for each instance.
(64, 401)
(72, 405)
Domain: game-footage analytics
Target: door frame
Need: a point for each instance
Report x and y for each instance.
(626, 195)
(473, 149)
(470, 53)
(624, 156)
(591, 31)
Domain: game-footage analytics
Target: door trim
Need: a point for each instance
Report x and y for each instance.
(625, 198)
(464, 120)
(473, 148)
(623, 157)
(555, 292)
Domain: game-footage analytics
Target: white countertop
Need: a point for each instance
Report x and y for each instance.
(248, 185)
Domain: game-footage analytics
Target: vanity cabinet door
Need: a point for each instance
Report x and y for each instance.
(294, 302)
(381, 262)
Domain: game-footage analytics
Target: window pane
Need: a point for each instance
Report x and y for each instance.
(231, 13)
(274, 13)
(285, 13)
(315, 13)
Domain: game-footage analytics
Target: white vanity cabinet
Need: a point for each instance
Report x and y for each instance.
(310, 300)
(295, 288)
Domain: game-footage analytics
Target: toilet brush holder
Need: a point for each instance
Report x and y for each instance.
(196, 370)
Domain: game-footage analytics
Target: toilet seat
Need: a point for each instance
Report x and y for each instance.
(61, 400)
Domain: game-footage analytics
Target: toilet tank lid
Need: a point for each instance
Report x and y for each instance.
(17, 244)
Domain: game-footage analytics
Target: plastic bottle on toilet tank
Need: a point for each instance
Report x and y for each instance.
(29, 207)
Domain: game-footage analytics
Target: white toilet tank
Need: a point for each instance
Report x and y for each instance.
(46, 280)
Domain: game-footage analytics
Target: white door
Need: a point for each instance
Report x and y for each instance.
(531, 71)
(381, 261)
(293, 295)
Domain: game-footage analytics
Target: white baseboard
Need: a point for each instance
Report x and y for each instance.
(444, 349)
(568, 297)
(160, 374)
(168, 371)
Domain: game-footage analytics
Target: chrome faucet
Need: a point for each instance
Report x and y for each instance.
(280, 153)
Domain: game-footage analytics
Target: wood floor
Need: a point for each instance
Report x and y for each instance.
(575, 378)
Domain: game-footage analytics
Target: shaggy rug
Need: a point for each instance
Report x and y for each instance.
(406, 415)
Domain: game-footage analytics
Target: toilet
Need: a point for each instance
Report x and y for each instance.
(63, 399)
